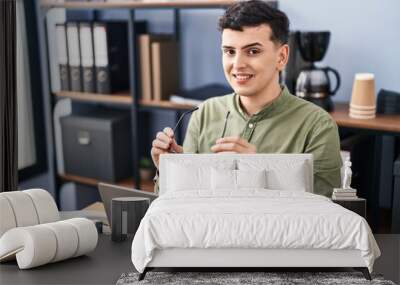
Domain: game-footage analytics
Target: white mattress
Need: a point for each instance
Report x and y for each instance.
(251, 219)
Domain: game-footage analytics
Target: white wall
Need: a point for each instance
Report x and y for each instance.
(365, 37)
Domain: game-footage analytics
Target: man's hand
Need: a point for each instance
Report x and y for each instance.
(164, 143)
(233, 144)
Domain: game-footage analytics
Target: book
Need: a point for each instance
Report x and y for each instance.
(165, 69)
(112, 56)
(145, 42)
(345, 194)
(345, 198)
(184, 101)
(87, 57)
(341, 190)
(197, 95)
(74, 59)
(62, 56)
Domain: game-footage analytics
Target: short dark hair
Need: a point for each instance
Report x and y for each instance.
(253, 13)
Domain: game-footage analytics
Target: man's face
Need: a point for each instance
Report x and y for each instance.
(251, 60)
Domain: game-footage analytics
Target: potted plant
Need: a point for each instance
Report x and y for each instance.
(146, 169)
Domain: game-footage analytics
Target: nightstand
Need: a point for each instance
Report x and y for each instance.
(358, 206)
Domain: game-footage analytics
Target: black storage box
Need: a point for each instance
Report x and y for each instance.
(98, 145)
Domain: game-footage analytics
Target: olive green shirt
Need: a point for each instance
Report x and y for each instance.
(287, 125)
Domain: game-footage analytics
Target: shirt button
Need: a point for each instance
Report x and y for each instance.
(251, 125)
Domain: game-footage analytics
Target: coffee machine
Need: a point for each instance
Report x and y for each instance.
(313, 83)
(295, 64)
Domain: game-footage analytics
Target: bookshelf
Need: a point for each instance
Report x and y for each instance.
(134, 4)
(124, 99)
(165, 105)
(117, 99)
(130, 183)
(128, 99)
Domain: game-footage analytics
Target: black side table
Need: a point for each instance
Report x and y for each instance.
(358, 206)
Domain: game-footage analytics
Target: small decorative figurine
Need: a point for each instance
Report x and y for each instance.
(345, 192)
(347, 174)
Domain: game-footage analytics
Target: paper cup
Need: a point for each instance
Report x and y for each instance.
(362, 108)
(363, 94)
(362, 112)
(357, 116)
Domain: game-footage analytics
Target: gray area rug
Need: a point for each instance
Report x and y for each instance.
(229, 278)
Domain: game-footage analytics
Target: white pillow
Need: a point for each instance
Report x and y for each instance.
(293, 181)
(222, 179)
(251, 178)
(184, 175)
(281, 174)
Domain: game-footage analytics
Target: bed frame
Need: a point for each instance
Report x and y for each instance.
(242, 259)
(246, 258)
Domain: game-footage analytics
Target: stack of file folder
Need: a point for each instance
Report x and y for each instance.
(93, 56)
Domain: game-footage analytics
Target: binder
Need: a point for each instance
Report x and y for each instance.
(74, 56)
(111, 55)
(165, 69)
(146, 80)
(61, 37)
(87, 57)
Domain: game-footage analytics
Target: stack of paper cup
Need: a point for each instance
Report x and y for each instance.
(363, 103)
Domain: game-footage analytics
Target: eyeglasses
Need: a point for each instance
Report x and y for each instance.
(180, 119)
(226, 123)
(182, 116)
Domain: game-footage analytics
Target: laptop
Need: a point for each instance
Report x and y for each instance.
(110, 191)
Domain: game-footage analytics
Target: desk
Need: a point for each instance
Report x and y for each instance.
(382, 123)
(384, 129)
(104, 265)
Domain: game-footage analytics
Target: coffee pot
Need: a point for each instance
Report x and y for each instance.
(313, 83)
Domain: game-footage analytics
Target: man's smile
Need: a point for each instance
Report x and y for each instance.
(242, 78)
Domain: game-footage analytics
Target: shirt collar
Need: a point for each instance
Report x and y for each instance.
(268, 110)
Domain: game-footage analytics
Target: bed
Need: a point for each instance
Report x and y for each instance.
(233, 210)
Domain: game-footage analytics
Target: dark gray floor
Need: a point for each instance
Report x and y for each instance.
(389, 263)
(110, 260)
(102, 266)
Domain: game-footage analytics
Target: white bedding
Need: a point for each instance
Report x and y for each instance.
(250, 219)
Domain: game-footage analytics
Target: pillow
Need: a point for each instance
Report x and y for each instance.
(183, 177)
(294, 179)
(251, 178)
(222, 179)
(292, 175)
(183, 174)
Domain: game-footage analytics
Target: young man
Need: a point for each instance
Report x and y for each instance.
(261, 116)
